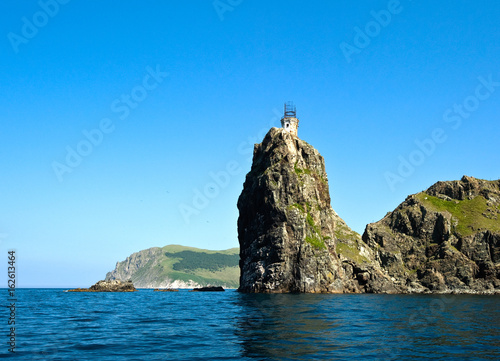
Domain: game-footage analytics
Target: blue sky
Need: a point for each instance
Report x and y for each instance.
(128, 125)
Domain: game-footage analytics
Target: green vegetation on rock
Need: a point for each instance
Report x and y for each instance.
(190, 260)
(350, 252)
(300, 171)
(299, 207)
(469, 214)
(343, 232)
(316, 242)
(311, 223)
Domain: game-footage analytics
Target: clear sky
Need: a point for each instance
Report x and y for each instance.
(128, 125)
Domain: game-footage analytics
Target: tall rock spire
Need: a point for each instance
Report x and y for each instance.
(286, 223)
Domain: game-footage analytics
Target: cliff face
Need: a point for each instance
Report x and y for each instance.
(288, 230)
(446, 239)
(134, 266)
(285, 228)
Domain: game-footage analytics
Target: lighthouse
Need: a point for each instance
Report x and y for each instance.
(289, 122)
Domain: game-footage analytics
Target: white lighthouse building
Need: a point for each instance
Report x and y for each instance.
(289, 122)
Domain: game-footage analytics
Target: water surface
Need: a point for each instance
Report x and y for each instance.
(146, 325)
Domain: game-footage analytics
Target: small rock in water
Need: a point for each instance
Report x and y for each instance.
(108, 286)
(209, 289)
(166, 290)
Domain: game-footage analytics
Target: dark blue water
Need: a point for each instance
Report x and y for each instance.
(146, 325)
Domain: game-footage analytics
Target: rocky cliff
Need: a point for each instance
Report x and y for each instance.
(290, 237)
(445, 239)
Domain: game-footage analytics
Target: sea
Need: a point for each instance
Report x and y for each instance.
(51, 324)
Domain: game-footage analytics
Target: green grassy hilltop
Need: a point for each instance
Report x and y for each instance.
(180, 267)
